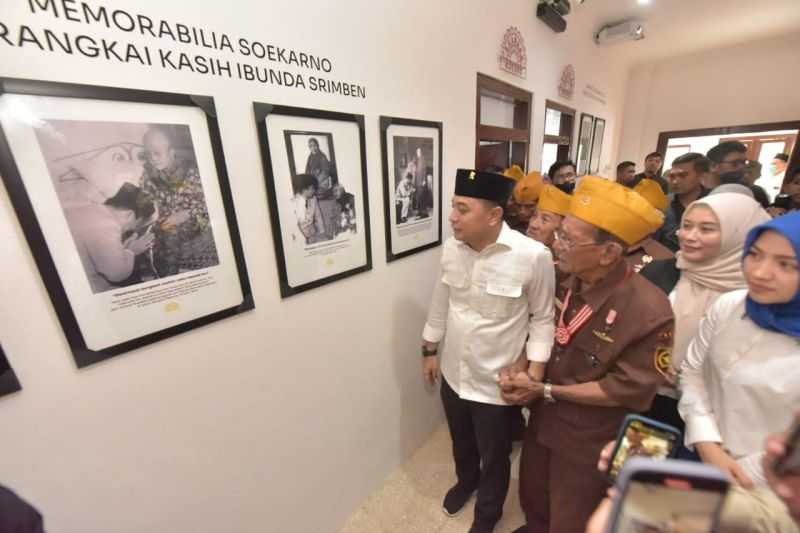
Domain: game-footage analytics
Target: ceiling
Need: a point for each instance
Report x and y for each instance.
(679, 27)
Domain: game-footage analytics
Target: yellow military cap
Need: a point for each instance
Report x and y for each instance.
(528, 188)
(615, 208)
(554, 199)
(652, 192)
(514, 172)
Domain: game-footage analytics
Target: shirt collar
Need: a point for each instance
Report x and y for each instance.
(506, 238)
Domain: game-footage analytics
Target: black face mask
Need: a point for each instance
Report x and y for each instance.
(734, 176)
(566, 187)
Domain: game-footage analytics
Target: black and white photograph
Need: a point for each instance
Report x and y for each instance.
(584, 143)
(597, 144)
(132, 198)
(411, 151)
(8, 379)
(124, 199)
(315, 172)
(323, 207)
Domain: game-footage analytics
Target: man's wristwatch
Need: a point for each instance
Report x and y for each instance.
(548, 393)
(428, 353)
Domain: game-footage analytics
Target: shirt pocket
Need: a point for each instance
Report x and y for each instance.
(499, 299)
(590, 356)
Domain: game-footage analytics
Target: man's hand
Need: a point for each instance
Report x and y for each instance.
(506, 374)
(536, 370)
(787, 487)
(520, 389)
(713, 454)
(430, 369)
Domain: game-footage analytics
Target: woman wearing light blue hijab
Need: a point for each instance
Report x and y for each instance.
(740, 380)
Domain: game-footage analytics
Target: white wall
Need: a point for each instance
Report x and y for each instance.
(749, 83)
(260, 422)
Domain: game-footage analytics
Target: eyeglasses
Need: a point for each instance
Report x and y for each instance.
(561, 237)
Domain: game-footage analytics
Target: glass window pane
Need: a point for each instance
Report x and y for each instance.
(767, 154)
(549, 156)
(552, 122)
(496, 111)
(493, 154)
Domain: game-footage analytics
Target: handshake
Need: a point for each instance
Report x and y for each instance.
(521, 383)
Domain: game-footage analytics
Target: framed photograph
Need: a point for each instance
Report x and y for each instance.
(584, 143)
(8, 379)
(124, 199)
(597, 144)
(315, 169)
(411, 152)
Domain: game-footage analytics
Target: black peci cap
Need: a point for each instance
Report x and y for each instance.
(484, 185)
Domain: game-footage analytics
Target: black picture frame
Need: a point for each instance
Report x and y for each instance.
(583, 154)
(384, 123)
(34, 235)
(597, 144)
(9, 383)
(269, 144)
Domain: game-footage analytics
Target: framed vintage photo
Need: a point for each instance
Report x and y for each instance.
(411, 156)
(583, 155)
(597, 144)
(8, 379)
(315, 169)
(124, 199)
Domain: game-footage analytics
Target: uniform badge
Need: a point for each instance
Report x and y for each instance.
(472, 175)
(663, 359)
(602, 336)
(611, 317)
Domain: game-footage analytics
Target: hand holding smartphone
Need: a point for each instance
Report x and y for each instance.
(640, 436)
(657, 496)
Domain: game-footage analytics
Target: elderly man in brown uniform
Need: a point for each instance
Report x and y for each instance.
(613, 341)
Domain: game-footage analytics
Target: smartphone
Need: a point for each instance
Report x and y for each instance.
(640, 436)
(668, 496)
(789, 464)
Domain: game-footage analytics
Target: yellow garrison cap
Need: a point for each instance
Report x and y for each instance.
(652, 192)
(528, 188)
(615, 208)
(514, 172)
(554, 199)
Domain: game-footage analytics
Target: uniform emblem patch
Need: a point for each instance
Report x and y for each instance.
(663, 359)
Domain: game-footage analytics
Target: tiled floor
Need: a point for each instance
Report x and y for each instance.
(410, 501)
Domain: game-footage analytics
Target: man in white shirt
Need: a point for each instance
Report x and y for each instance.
(492, 304)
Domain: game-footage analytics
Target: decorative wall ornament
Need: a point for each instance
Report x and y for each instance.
(566, 85)
(513, 57)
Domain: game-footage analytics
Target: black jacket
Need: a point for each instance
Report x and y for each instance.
(664, 274)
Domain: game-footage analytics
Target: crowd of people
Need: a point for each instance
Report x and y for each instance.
(675, 295)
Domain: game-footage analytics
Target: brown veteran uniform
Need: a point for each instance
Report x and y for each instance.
(645, 252)
(648, 249)
(625, 347)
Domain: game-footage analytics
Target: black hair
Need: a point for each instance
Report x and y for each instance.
(622, 166)
(782, 157)
(718, 153)
(782, 201)
(558, 165)
(654, 154)
(131, 197)
(701, 163)
(302, 182)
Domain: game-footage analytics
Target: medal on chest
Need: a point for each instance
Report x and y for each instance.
(565, 331)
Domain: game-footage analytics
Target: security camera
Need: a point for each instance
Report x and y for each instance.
(630, 30)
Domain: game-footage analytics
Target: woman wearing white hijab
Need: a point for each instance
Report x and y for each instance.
(711, 237)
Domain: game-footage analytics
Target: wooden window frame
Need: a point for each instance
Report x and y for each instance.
(521, 132)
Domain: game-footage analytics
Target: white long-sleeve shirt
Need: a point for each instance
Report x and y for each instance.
(739, 382)
(485, 305)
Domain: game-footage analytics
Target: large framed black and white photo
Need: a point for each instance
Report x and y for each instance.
(598, 132)
(411, 153)
(583, 156)
(124, 199)
(315, 169)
